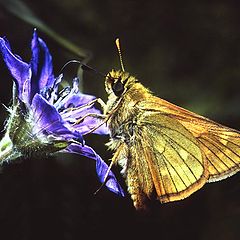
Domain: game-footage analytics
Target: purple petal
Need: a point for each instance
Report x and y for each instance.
(48, 120)
(101, 167)
(78, 100)
(74, 100)
(78, 112)
(20, 70)
(89, 122)
(41, 65)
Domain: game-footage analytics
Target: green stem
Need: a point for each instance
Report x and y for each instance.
(7, 150)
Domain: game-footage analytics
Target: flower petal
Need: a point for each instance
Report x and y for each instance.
(101, 167)
(77, 100)
(41, 65)
(20, 70)
(48, 120)
(88, 124)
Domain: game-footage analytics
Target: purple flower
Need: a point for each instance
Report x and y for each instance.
(44, 118)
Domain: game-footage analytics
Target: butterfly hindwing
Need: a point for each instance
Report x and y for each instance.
(220, 144)
(176, 161)
(163, 158)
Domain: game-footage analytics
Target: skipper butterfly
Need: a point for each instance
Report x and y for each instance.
(165, 151)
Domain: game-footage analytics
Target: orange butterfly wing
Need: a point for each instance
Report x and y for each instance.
(220, 144)
(161, 157)
(174, 158)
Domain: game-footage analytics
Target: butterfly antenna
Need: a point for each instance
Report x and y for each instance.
(119, 53)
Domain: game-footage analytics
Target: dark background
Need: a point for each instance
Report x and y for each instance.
(187, 52)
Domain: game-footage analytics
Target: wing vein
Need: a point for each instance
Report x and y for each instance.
(215, 154)
(219, 148)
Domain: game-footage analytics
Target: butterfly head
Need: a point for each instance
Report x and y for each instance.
(118, 82)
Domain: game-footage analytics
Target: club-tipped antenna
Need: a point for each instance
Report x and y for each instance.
(119, 53)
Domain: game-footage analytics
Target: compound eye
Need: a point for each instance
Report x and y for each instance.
(118, 87)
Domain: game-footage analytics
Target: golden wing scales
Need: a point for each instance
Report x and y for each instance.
(161, 160)
(215, 140)
(223, 158)
(181, 164)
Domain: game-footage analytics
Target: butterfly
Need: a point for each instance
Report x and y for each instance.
(165, 151)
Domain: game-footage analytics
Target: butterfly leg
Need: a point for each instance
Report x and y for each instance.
(89, 104)
(94, 115)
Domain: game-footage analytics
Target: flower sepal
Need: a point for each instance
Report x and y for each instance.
(21, 140)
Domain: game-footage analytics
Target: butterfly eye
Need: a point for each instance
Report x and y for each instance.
(118, 87)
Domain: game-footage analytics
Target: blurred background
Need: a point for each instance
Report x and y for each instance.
(187, 52)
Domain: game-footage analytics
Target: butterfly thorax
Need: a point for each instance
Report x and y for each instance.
(121, 109)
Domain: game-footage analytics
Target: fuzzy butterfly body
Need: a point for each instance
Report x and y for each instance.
(166, 152)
